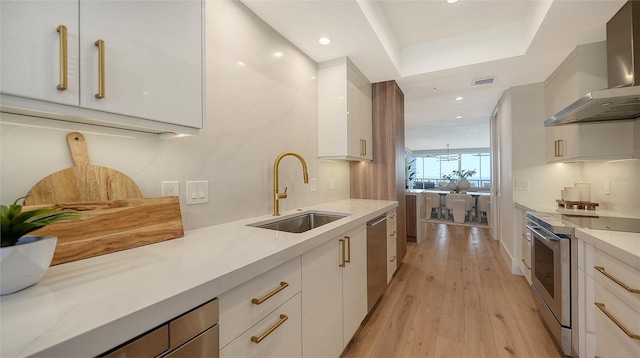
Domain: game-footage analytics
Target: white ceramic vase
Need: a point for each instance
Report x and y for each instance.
(464, 184)
(452, 186)
(24, 264)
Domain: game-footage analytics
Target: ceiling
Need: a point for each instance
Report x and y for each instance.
(435, 50)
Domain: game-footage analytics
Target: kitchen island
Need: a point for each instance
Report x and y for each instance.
(87, 307)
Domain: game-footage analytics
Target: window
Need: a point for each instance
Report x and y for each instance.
(431, 166)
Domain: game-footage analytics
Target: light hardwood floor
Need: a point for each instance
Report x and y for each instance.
(454, 297)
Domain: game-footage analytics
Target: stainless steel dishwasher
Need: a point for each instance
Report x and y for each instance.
(376, 259)
(193, 334)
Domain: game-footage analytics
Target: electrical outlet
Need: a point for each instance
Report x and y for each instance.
(170, 188)
(312, 184)
(607, 187)
(197, 192)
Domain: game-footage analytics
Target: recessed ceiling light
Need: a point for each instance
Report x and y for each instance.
(459, 98)
(324, 41)
(458, 117)
(452, 1)
(277, 54)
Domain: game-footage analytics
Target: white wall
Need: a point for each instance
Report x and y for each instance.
(625, 185)
(254, 112)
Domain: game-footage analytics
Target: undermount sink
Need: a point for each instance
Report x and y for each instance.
(300, 223)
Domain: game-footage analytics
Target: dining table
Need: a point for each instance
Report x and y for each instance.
(474, 194)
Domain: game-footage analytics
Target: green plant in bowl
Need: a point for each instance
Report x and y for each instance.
(16, 223)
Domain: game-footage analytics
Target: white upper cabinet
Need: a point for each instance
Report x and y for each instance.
(583, 71)
(147, 73)
(31, 62)
(344, 112)
(153, 59)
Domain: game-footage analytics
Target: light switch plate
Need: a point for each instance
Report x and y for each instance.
(197, 192)
(607, 187)
(312, 184)
(522, 185)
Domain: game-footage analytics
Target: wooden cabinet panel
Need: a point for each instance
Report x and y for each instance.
(384, 177)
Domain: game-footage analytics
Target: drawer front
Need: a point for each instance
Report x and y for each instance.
(614, 274)
(238, 312)
(392, 223)
(193, 323)
(284, 341)
(611, 340)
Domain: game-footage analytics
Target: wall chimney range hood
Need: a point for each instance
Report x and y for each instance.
(621, 101)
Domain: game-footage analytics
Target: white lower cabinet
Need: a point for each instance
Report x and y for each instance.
(611, 313)
(334, 286)
(255, 306)
(392, 236)
(276, 335)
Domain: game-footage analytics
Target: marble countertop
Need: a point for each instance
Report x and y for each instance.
(624, 246)
(551, 208)
(86, 307)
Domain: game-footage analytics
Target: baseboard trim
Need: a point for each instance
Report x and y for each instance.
(509, 260)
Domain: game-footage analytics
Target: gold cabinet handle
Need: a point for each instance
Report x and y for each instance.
(363, 147)
(343, 250)
(62, 30)
(602, 271)
(618, 323)
(525, 264)
(348, 240)
(257, 301)
(555, 148)
(283, 318)
(101, 91)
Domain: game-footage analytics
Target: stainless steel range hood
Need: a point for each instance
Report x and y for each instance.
(621, 101)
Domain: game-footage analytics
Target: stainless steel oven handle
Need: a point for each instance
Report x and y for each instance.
(536, 231)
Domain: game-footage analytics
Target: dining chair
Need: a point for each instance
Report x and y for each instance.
(461, 205)
(433, 202)
(484, 206)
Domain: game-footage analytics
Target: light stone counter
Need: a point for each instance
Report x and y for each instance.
(624, 246)
(87, 307)
(554, 208)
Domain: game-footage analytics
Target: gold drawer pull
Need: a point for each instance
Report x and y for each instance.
(101, 92)
(344, 253)
(255, 339)
(363, 147)
(525, 264)
(602, 270)
(348, 259)
(257, 301)
(623, 328)
(63, 57)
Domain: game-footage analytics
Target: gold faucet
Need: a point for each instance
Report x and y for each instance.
(277, 195)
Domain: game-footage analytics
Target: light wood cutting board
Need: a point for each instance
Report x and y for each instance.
(83, 182)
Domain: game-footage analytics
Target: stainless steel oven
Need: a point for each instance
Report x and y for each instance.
(554, 285)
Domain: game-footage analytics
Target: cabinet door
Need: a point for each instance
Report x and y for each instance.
(354, 282)
(152, 59)
(359, 114)
(322, 304)
(283, 341)
(31, 63)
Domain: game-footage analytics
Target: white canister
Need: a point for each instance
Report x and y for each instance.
(585, 191)
(571, 193)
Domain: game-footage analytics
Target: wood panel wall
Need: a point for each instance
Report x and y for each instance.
(383, 178)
